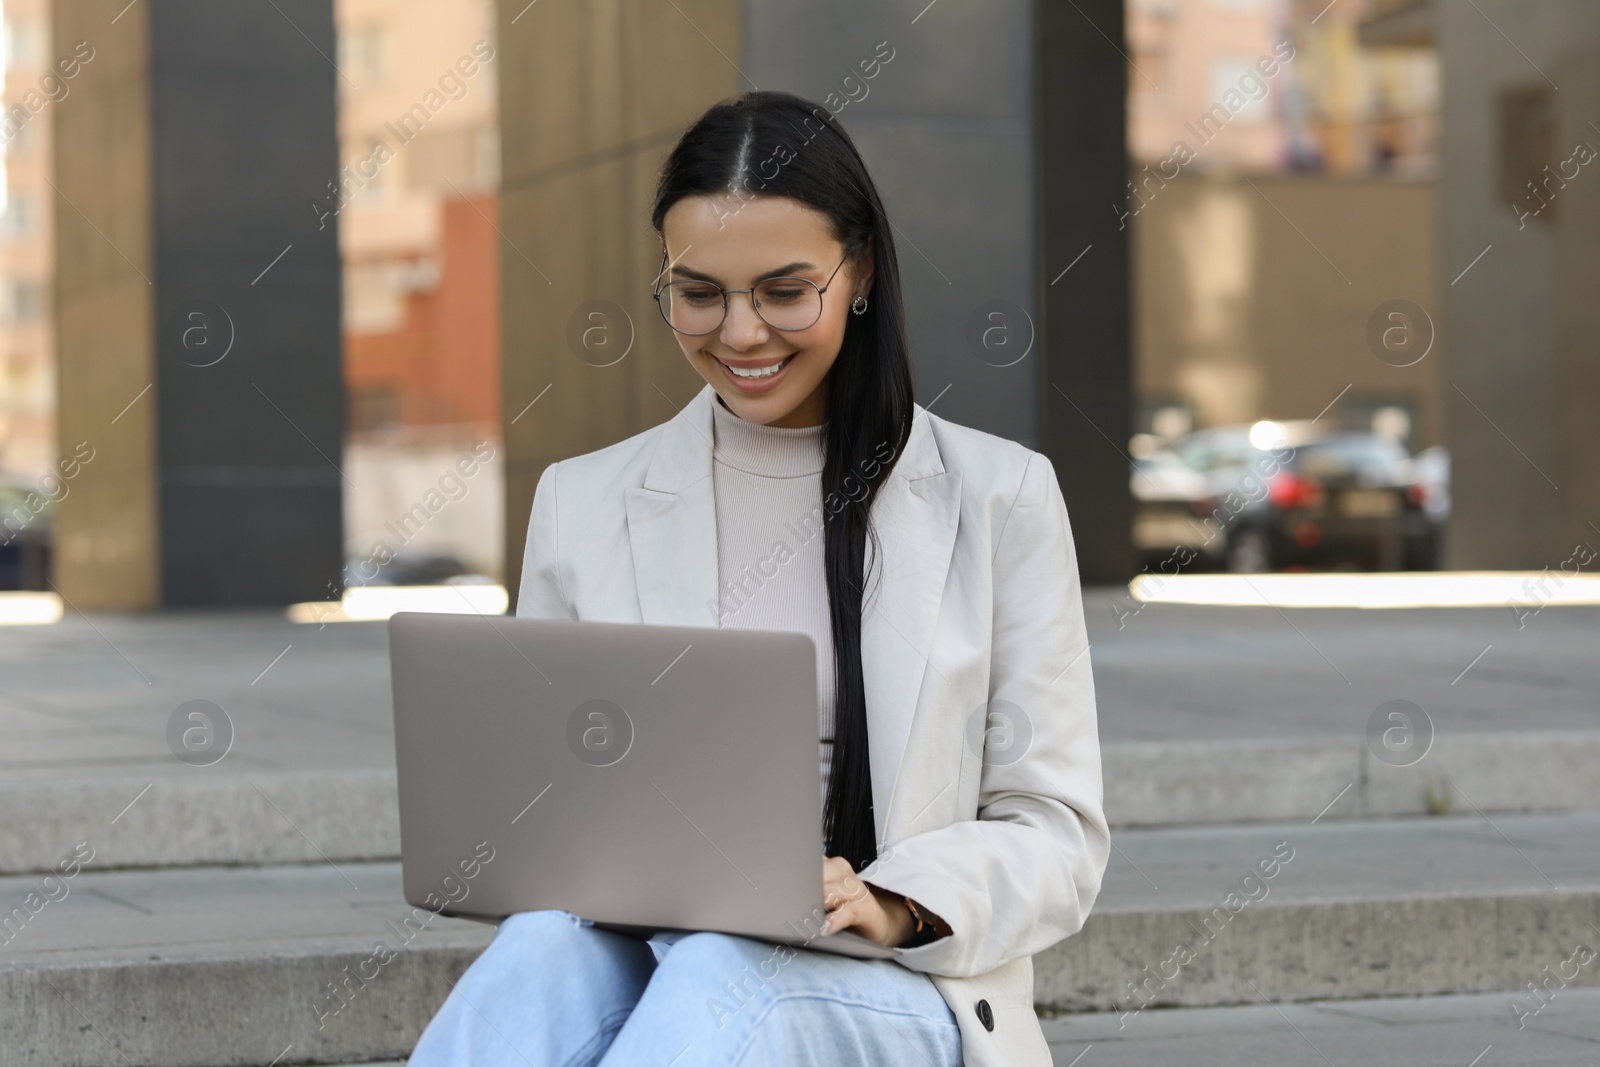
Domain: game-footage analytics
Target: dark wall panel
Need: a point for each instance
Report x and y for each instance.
(247, 300)
(946, 128)
(1086, 394)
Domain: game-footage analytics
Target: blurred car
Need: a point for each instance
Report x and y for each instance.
(1285, 495)
(404, 568)
(26, 525)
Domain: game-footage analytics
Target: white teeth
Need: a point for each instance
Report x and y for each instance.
(765, 372)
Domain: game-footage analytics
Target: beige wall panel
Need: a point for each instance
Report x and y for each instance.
(1253, 300)
(106, 537)
(593, 95)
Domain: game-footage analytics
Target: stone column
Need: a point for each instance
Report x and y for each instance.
(592, 97)
(1519, 221)
(1085, 388)
(197, 304)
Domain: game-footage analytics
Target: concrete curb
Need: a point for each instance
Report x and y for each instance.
(1319, 950)
(1184, 783)
(302, 817)
(299, 817)
(253, 1006)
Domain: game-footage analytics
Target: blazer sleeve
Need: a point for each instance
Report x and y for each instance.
(541, 595)
(1025, 873)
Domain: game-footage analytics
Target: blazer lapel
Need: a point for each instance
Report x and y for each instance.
(672, 529)
(916, 514)
(672, 523)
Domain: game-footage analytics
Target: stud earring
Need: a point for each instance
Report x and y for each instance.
(859, 305)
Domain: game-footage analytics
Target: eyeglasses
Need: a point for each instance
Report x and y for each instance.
(696, 308)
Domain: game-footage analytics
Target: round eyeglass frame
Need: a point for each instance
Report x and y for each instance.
(756, 304)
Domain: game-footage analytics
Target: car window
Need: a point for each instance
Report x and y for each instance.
(1218, 453)
(1343, 455)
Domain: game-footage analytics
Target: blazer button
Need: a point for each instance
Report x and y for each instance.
(985, 1015)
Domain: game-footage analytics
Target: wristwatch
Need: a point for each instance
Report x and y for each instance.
(924, 932)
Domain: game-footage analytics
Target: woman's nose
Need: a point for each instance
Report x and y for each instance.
(743, 327)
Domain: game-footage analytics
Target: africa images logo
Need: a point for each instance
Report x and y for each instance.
(599, 733)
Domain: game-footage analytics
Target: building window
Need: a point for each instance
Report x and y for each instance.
(364, 177)
(25, 302)
(18, 221)
(1239, 87)
(22, 140)
(364, 54)
(24, 43)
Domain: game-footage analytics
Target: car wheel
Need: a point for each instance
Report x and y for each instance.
(1423, 554)
(1249, 552)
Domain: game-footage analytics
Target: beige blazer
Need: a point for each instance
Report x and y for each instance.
(993, 821)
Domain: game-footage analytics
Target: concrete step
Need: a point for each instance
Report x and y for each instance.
(208, 816)
(1185, 783)
(199, 818)
(1450, 1031)
(1360, 908)
(224, 966)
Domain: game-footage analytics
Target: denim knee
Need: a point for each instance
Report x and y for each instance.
(538, 927)
(713, 953)
(736, 969)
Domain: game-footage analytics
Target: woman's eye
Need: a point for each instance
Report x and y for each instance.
(785, 295)
(699, 297)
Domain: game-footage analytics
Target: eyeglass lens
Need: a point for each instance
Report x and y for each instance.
(695, 307)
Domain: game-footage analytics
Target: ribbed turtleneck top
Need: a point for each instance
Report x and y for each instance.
(767, 482)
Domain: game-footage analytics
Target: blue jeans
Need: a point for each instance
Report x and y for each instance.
(553, 990)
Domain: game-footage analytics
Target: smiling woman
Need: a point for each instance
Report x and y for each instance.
(960, 855)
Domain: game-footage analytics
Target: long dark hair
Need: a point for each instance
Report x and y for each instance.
(777, 144)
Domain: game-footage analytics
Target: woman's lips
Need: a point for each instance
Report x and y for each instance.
(757, 385)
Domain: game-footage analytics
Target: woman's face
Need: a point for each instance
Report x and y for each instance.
(733, 243)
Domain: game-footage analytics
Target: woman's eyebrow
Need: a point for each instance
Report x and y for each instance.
(778, 272)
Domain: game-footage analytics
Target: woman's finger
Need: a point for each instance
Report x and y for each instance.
(835, 871)
(864, 916)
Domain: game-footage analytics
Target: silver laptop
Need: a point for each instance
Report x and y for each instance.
(647, 778)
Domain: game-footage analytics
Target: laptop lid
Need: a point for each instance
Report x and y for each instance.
(645, 777)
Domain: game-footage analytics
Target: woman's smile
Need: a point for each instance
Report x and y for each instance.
(756, 376)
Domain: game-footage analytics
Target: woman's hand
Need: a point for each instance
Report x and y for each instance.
(856, 905)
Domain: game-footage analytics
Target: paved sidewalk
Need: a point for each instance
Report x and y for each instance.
(91, 697)
(1354, 859)
(1471, 1031)
(1176, 671)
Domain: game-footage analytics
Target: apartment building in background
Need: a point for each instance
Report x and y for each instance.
(416, 205)
(27, 347)
(1331, 102)
(1185, 56)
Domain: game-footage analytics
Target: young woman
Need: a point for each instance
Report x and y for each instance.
(960, 754)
